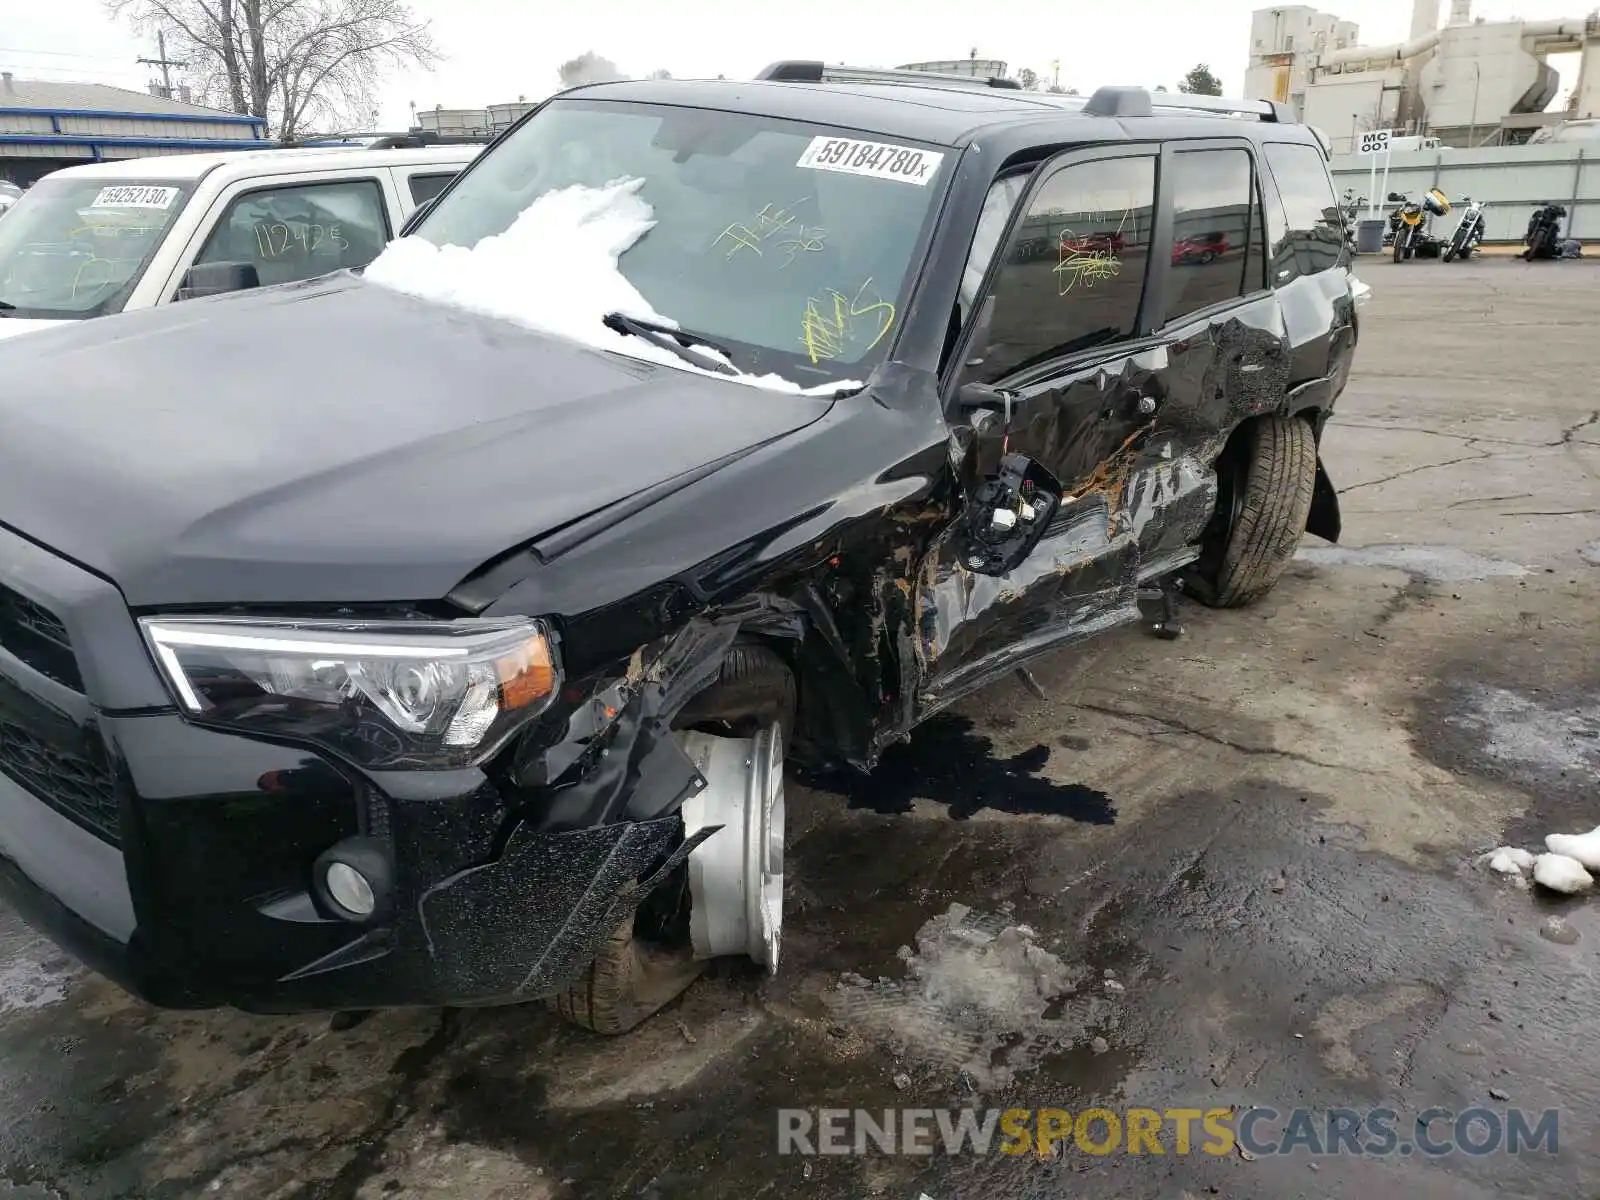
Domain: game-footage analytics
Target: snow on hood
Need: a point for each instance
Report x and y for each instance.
(575, 234)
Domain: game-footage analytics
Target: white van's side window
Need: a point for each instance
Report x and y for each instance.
(298, 232)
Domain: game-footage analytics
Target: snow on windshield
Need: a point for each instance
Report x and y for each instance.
(571, 237)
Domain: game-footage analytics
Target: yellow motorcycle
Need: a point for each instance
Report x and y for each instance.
(1411, 236)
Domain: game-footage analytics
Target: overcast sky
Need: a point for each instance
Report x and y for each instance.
(499, 50)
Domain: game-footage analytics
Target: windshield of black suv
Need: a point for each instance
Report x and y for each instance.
(786, 244)
(75, 248)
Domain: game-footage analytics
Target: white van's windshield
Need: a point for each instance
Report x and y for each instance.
(75, 248)
(789, 245)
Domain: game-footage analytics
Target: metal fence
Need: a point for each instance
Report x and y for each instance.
(1511, 181)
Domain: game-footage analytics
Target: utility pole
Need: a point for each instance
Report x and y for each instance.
(165, 63)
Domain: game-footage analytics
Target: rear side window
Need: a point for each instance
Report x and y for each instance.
(1074, 272)
(1211, 224)
(426, 187)
(1316, 227)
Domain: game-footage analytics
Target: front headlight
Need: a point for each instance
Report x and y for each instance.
(384, 694)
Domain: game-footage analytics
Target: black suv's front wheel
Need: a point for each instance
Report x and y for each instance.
(1265, 480)
(736, 731)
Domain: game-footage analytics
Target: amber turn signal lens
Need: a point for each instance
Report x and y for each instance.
(527, 674)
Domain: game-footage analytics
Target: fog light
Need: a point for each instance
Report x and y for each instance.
(354, 881)
(350, 889)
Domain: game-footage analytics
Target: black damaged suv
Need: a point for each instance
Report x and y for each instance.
(358, 649)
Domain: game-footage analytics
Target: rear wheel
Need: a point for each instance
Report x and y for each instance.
(1265, 482)
(731, 896)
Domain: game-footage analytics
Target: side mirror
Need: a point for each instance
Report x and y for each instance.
(418, 215)
(218, 279)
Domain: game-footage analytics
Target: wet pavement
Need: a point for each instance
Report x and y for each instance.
(1234, 870)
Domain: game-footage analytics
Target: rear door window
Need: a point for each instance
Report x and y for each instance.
(426, 187)
(1211, 227)
(299, 231)
(1316, 226)
(1073, 273)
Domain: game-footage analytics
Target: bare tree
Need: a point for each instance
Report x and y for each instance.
(588, 67)
(1029, 79)
(297, 63)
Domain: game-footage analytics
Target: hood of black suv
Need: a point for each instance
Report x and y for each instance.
(336, 442)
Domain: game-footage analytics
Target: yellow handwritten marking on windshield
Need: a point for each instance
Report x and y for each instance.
(808, 239)
(771, 220)
(829, 325)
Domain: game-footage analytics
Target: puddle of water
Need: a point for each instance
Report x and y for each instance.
(1438, 564)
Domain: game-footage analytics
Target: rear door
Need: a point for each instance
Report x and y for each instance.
(1228, 350)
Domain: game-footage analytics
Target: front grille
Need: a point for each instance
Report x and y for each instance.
(58, 762)
(36, 636)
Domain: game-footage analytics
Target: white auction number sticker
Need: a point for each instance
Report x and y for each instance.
(142, 196)
(881, 160)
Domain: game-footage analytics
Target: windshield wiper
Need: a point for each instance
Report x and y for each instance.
(674, 341)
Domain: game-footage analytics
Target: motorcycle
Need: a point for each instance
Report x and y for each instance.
(1350, 209)
(1469, 232)
(1410, 221)
(1543, 238)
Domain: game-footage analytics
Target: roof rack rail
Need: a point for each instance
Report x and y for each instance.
(1138, 102)
(808, 71)
(387, 141)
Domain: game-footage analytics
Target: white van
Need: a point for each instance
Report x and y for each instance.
(98, 239)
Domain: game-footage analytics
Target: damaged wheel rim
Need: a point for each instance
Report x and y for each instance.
(736, 874)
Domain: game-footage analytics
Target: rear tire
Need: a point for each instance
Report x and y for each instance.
(1261, 513)
(630, 978)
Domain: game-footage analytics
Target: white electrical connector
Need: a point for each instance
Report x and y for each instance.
(1003, 518)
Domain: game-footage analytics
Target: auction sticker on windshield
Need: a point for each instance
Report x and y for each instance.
(881, 160)
(135, 197)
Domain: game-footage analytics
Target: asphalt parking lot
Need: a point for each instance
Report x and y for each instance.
(1231, 870)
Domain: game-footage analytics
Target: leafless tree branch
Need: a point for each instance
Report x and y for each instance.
(297, 63)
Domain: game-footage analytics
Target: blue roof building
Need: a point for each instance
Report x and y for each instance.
(46, 126)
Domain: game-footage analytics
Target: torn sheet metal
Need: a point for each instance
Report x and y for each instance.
(530, 921)
(1081, 579)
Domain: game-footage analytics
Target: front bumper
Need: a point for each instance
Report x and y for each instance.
(177, 860)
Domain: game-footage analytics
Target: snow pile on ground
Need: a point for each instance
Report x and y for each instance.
(1564, 867)
(555, 270)
(979, 995)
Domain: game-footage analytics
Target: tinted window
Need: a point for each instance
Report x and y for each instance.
(426, 187)
(1210, 229)
(1074, 270)
(1316, 227)
(292, 233)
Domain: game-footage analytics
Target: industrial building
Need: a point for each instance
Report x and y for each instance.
(464, 122)
(1471, 83)
(45, 126)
